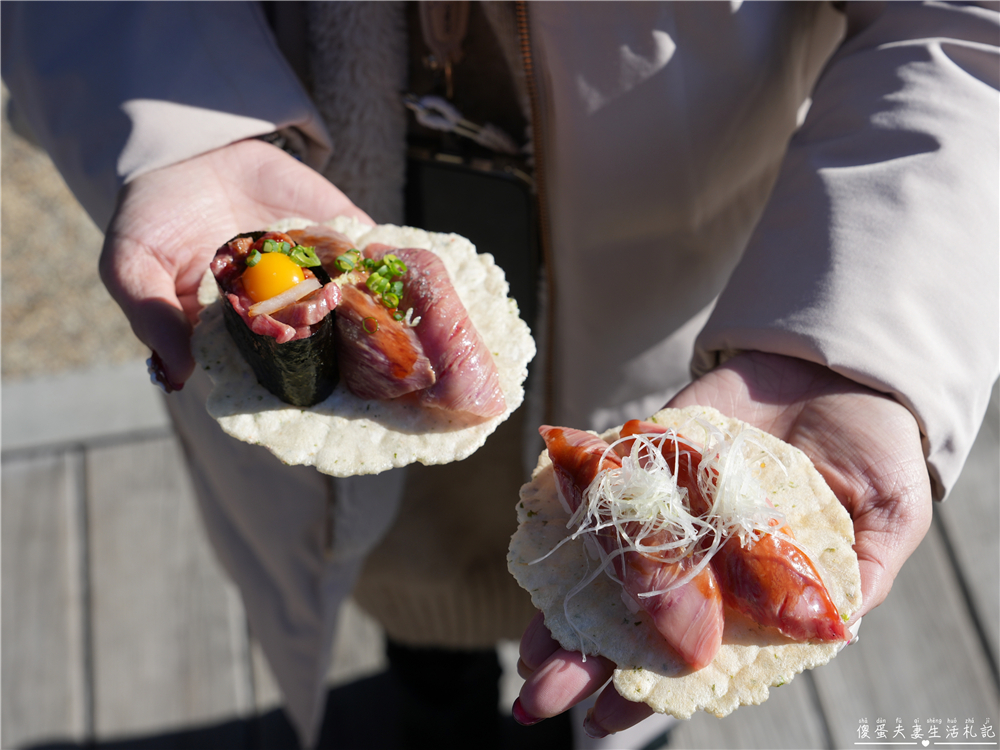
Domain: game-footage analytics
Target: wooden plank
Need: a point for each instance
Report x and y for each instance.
(918, 657)
(169, 645)
(510, 681)
(81, 406)
(769, 725)
(43, 653)
(971, 518)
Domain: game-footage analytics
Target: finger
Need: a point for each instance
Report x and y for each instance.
(883, 483)
(165, 329)
(537, 645)
(562, 681)
(145, 292)
(292, 188)
(612, 713)
(884, 540)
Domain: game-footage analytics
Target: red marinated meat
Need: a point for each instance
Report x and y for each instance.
(311, 309)
(467, 377)
(379, 357)
(290, 323)
(296, 321)
(770, 580)
(442, 360)
(690, 616)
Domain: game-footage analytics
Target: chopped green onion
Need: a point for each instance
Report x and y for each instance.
(398, 316)
(369, 325)
(377, 283)
(348, 260)
(380, 279)
(253, 259)
(304, 256)
(270, 246)
(396, 266)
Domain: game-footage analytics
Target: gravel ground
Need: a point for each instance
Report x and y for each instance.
(55, 314)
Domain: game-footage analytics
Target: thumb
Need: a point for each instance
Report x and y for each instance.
(146, 293)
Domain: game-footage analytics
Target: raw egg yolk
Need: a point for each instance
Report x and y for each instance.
(273, 274)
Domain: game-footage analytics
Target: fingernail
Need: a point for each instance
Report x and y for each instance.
(521, 716)
(522, 670)
(158, 376)
(592, 728)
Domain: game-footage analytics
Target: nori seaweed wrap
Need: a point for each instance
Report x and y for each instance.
(301, 372)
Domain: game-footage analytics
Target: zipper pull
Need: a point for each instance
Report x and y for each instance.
(437, 114)
(444, 24)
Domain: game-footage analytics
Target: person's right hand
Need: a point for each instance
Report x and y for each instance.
(866, 445)
(169, 223)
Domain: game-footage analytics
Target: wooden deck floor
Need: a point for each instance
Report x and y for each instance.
(119, 630)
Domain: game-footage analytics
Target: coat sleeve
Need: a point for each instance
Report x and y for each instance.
(114, 90)
(877, 254)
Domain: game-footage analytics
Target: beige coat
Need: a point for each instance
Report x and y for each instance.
(690, 218)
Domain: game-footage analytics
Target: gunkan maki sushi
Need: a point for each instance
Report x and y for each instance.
(279, 306)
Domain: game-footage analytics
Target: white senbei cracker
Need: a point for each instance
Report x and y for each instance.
(347, 436)
(752, 659)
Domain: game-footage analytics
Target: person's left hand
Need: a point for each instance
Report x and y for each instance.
(864, 443)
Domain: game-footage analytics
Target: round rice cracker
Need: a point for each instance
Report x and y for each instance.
(597, 621)
(348, 436)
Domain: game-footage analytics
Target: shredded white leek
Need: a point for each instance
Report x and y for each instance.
(286, 298)
(650, 514)
(409, 320)
(729, 477)
(642, 502)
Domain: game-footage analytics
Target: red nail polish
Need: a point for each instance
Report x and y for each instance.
(521, 716)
